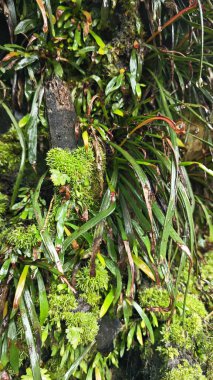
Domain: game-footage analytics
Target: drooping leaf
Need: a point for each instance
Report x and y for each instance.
(24, 26)
(107, 303)
(20, 287)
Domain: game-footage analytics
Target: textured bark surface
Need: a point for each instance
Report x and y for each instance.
(60, 113)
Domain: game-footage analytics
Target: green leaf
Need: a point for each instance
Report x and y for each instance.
(29, 375)
(75, 336)
(201, 166)
(98, 80)
(33, 354)
(75, 365)
(58, 70)
(13, 348)
(60, 218)
(43, 302)
(118, 112)
(4, 269)
(32, 124)
(143, 267)
(107, 303)
(23, 155)
(25, 119)
(14, 356)
(58, 178)
(139, 335)
(25, 25)
(114, 84)
(130, 337)
(145, 319)
(26, 62)
(127, 311)
(98, 39)
(20, 287)
(88, 225)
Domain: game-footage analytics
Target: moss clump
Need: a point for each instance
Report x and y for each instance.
(189, 340)
(206, 282)
(82, 328)
(9, 152)
(193, 305)
(3, 207)
(3, 203)
(157, 298)
(21, 238)
(207, 267)
(186, 336)
(93, 299)
(61, 301)
(24, 238)
(183, 337)
(88, 284)
(185, 372)
(29, 375)
(76, 168)
(53, 366)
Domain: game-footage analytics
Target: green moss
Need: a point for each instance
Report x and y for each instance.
(88, 284)
(53, 367)
(155, 297)
(24, 238)
(21, 238)
(93, 299)
(190, 338)
(193, 305)
(61, 301)
(192, 280)
(3, 203)
(183, 337)
(82, 328)
(185, 372)
(9, 152)
(207, 267)
(29, 375)
(76, 168)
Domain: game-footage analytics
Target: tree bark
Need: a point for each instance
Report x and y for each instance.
(60, 114)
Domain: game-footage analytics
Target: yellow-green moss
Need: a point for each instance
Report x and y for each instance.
(82, 328)
(185, 372)
(88, 284)
(21, 238)
(183, 337)
(207, 267)
(155, 297)
(9, 152)
(61, 301)
(206, 281)
(77, 168)
(193, 305)
(3, 203)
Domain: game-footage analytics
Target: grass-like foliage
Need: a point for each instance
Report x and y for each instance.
(106, 250)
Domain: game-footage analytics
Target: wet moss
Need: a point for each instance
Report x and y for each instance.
(155, 297)
(21, 238)
(77, 168)
(9, 152)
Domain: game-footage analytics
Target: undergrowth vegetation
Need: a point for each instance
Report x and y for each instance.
(106, 250)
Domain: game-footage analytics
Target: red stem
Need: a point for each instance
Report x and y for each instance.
(192, 4)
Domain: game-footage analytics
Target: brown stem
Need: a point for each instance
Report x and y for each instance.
(192, 4)
(179, 127)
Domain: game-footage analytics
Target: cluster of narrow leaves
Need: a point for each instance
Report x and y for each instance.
(140, 79)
